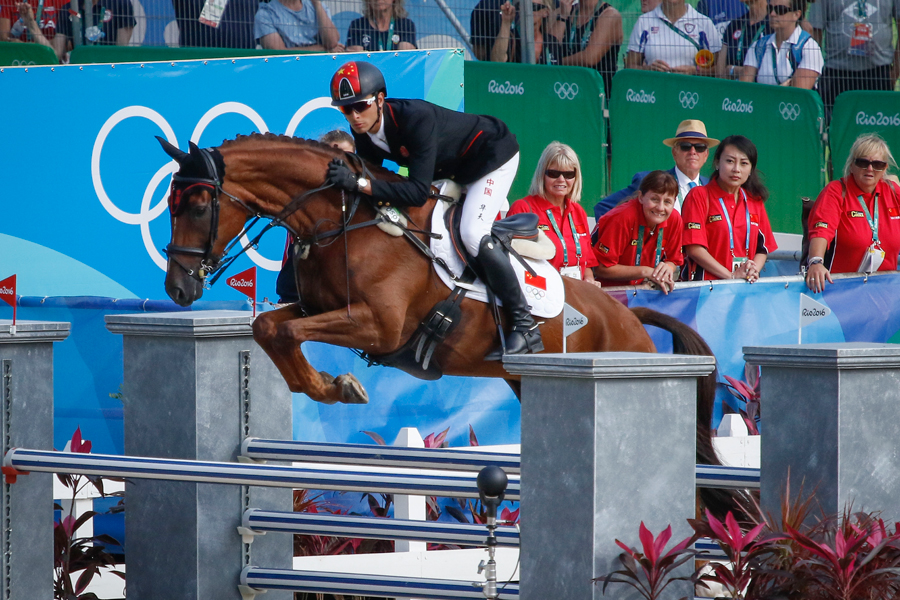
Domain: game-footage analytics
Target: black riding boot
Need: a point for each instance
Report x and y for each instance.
(524, 335)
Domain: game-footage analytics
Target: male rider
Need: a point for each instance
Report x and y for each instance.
(436, 143)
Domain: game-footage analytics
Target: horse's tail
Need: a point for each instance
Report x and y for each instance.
(687, 341)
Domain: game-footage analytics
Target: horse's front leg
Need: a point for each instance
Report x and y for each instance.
(280, 333)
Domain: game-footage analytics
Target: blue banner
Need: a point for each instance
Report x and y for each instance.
(85, 210)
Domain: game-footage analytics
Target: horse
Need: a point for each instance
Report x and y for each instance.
(359, 287)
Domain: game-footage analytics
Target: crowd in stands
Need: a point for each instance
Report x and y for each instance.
(834, 46)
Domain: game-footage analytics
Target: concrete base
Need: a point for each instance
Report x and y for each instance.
(195, 385)
(832, 419)
(608, 441)
(26, 421)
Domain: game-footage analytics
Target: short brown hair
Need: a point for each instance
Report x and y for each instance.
(660, 182)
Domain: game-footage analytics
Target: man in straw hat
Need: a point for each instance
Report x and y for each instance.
(690, 149)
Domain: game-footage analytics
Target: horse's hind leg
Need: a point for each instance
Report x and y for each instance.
(281, 332)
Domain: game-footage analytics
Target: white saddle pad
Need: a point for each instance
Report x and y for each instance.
(545, 293)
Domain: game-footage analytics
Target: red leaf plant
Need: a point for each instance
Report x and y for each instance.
(651, 572)
(747, 392)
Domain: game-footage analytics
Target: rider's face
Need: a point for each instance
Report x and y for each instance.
(361, 122)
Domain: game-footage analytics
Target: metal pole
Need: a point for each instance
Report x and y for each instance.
(456, 24)
(526, 26)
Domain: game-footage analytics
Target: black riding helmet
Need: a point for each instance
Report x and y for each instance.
(355, 81)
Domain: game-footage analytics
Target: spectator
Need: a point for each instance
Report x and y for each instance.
(726, 232)
(304, 24)
(18, 23)
(495, 32)
(592, 34)
(554, 195)
(199, 28)
(859, 50)
(384, 26)
(111, 23)
(789, 56)
(722, 12)
(857, 218)
(286, 283)
(673, 38)
(738, 35)
(690, 149)
(641, 239)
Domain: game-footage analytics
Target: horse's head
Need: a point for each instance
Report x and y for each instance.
(201, 225)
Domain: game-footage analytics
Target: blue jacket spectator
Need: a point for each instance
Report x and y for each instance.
(234, 30)
(383, 26)
(690, 149)
(305, 24)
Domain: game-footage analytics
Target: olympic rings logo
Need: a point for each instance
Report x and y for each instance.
(565, 91)
(789, 111)
(688, 99)
(148, 213)
(536, 293)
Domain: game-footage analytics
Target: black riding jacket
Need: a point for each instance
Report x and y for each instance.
(435, 143)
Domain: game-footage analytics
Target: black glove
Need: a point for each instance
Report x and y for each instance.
(340, 176)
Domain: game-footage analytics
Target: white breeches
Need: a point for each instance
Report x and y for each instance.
(485, 198)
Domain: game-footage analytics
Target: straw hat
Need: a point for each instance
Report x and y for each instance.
(691, 129)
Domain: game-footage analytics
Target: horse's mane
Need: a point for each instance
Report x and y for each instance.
(379, 172)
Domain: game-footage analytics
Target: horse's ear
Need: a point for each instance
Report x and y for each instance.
(171, 150)
(195, 150)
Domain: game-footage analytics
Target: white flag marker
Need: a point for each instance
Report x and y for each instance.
(572, 322)
(810, 312)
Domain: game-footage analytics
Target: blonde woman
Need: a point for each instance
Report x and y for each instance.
(554, 195)
(383, 26)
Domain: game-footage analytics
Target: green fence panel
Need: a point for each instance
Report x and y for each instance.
(541, 104)
(784, 123)
(85, 55)
(855, 113)
(14, 54)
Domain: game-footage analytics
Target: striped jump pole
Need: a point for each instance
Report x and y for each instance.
(26, 419)
(195, 385)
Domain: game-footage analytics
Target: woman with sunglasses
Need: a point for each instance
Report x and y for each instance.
(854, 226)
(726, 232)
(384, 26)
(789, 56)
(436, 143)
(641, 239)
(554, 195)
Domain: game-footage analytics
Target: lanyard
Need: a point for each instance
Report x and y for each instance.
(861, 9)
(759, 32)
(588, 27)
(640, 246)
(40, 12)
(390, 38)
(731, 229)
(682, 34)
(775, 63)
(563, 240)
(873, 223)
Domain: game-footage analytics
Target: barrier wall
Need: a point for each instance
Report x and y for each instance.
(862, 112)
(13, 54)
(784, 123)
(101, 195)
(130, 54)
(541, 104)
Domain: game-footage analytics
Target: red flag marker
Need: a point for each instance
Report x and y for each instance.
(245, 283)
(8, 295)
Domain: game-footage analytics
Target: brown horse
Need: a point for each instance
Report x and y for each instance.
(361, 288)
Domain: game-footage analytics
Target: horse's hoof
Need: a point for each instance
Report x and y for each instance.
(352, 391)
(329, 381)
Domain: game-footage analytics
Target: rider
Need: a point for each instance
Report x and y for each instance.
(436, 143)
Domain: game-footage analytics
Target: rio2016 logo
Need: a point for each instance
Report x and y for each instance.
(147, 212)
(879, 118)
(789, 112)
(506, 88)
(738, 106)
(565, 91)
(688, 99)
(640, 96)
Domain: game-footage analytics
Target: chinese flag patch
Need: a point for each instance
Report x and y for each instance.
(538, 282)
(893, 212)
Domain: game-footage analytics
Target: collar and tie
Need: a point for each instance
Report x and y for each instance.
(692, 185)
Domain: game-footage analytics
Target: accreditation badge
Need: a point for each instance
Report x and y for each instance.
(704, 58)
(859, 39)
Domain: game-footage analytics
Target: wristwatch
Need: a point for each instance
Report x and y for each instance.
(814, 260)
(361, 183)
(562, 18)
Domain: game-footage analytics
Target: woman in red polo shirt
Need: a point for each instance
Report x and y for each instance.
(854, 226)
(555, 192)
(641, 238)
(726, 231)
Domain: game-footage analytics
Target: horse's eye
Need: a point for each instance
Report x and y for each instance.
(199, 211)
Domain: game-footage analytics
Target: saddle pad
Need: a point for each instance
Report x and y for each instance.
(545, 293)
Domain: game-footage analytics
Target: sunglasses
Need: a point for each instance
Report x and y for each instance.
(780, 9)
(877, 165)
(686, 147)
(554, 174)
(357, 107)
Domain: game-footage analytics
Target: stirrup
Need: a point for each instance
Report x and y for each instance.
(519, 341)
